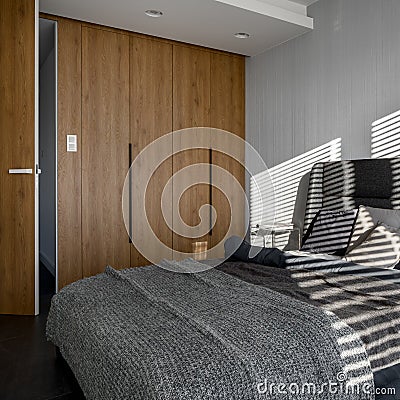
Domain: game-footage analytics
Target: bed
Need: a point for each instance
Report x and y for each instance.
(281, 325)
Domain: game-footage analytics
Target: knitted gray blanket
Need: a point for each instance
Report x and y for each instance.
(371, 306)
(147, 333)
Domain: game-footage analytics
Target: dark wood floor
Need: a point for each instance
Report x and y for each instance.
(29, 369)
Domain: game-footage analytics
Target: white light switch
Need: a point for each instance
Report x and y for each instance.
(72, 143)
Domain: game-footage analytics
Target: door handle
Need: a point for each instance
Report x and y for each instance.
(20, 171)
(130, 191)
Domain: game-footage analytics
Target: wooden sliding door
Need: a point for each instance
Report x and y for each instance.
(17, 144)
(151, 118)
(191, 108)
(105, 146)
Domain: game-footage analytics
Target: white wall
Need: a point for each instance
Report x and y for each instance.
(47, 160)
(328, 84)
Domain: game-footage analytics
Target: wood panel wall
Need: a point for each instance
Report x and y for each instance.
(228, 113)
(118, 87)
(191, 109)
(151, 117)
(69, 165)
(105, 149)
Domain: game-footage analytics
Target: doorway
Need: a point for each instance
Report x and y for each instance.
(47, 157)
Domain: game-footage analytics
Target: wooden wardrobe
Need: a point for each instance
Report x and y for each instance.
(119, 91)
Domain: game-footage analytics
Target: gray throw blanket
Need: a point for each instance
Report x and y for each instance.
(148, 333)
(371, 306)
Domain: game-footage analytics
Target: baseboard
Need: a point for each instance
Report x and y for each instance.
(47, 263)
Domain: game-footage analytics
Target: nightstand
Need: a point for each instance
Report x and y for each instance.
(265, 231)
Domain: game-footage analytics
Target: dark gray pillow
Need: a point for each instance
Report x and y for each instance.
(330, 232)
(238, 249)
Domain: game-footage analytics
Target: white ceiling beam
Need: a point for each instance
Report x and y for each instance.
(265, 7)
(288, 5)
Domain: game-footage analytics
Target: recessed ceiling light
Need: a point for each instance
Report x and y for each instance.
(154, 13)
(242, 35)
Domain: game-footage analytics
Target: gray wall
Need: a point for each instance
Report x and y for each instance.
(331, 83)
(47, 159)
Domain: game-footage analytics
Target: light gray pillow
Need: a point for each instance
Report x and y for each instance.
(385, 216)
(369, 217)
(380, 248)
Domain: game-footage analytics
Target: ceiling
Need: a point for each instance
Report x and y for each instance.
(210, 23)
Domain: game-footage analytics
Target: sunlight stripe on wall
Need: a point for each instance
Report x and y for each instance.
(385, 137)
(286, 178)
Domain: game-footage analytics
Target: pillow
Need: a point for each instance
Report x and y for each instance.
(369, 217)
(238, 249)
(330, 232)
(381, 248)
(361, 238)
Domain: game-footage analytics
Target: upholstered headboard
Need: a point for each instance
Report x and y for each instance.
(343, 185)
